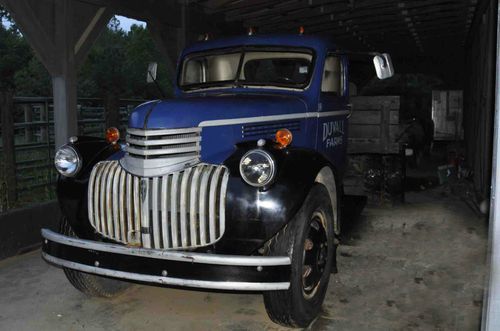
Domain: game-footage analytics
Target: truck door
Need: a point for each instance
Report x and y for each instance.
(334, 110)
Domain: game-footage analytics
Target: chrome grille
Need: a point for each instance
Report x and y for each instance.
(184, 209)
(154, 152)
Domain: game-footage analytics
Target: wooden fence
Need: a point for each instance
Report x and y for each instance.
(34, 144)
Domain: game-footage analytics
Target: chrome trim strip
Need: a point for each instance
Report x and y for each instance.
(235, 260)
(240, 286)
(164, 142)
(272, 118)
(168, 151)
(161, 132)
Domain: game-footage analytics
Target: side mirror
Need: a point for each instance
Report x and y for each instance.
(383, 66)
(152, 69)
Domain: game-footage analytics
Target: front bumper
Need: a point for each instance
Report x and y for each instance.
(174, 268)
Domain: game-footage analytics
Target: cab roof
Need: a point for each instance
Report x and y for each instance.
(318, 43)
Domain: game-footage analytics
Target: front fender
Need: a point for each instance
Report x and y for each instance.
(254, 215)
(71, 191)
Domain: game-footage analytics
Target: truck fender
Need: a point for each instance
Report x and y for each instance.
(326, 177)
(255, 215)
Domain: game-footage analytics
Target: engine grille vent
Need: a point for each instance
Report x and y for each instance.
(155, 152)
(184, 209)
(259, 130)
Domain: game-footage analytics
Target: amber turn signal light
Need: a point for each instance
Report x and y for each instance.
(112, 135)
(283, 137)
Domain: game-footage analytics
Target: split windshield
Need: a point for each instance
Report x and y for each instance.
(288, 68)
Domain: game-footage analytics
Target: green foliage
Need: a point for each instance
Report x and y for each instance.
(14, 54)
(117, 63)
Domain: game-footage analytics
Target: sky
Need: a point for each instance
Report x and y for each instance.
(125, 22)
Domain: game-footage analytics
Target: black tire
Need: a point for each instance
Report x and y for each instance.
(88, 284)
(301, 303)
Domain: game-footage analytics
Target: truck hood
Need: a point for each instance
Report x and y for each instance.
(191, 111)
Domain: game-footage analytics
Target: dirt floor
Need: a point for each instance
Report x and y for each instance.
(417, 266)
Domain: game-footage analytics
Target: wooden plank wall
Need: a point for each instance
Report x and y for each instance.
(374, 125)
(479, 100)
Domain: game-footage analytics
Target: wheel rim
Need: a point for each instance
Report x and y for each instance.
(315, 255)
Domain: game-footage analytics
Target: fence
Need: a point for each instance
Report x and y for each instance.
(34, 144)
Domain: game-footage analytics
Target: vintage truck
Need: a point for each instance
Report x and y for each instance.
(234, 184)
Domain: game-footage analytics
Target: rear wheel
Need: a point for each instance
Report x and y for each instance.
(309, 241)
(89, 284)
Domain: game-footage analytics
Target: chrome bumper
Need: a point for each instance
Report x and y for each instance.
(174, 268)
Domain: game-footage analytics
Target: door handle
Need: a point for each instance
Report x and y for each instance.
(349, 108)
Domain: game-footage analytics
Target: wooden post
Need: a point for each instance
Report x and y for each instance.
(8, 142)
(28, 118)
(112, 109)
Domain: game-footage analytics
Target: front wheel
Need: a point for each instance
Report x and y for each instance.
(89, 284)
(309, 241)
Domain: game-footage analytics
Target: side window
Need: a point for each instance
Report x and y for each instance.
(332, 76)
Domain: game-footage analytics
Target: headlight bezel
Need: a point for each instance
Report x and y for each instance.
(271, 161)
(78, 161)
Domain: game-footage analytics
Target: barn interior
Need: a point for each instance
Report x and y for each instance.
(421, 152)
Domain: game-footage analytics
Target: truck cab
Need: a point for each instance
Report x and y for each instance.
(234, 184)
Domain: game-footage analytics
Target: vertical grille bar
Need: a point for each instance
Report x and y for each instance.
(108, 198)
(137, 211)
(164, 212)
(130, 209)
(116, 195)
(90, 193)
(212, 205)
(145, 230)
(183, 206)
(154, 207)
(173, 210)
(122, 197)
(193, 206)
(203, 205)
(102, 199)
(222, 203)
(184, 209)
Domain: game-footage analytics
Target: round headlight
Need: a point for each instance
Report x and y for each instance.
(257, 168)
(67, 161)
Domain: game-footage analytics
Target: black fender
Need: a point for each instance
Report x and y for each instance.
(255, 215)
(72, 191)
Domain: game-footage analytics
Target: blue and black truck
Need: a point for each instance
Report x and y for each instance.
(234, 184)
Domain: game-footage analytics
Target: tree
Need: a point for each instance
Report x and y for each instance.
(14, 54)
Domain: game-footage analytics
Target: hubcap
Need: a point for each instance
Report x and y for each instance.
(315, 255)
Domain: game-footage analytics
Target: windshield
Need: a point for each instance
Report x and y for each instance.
(288, 68)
